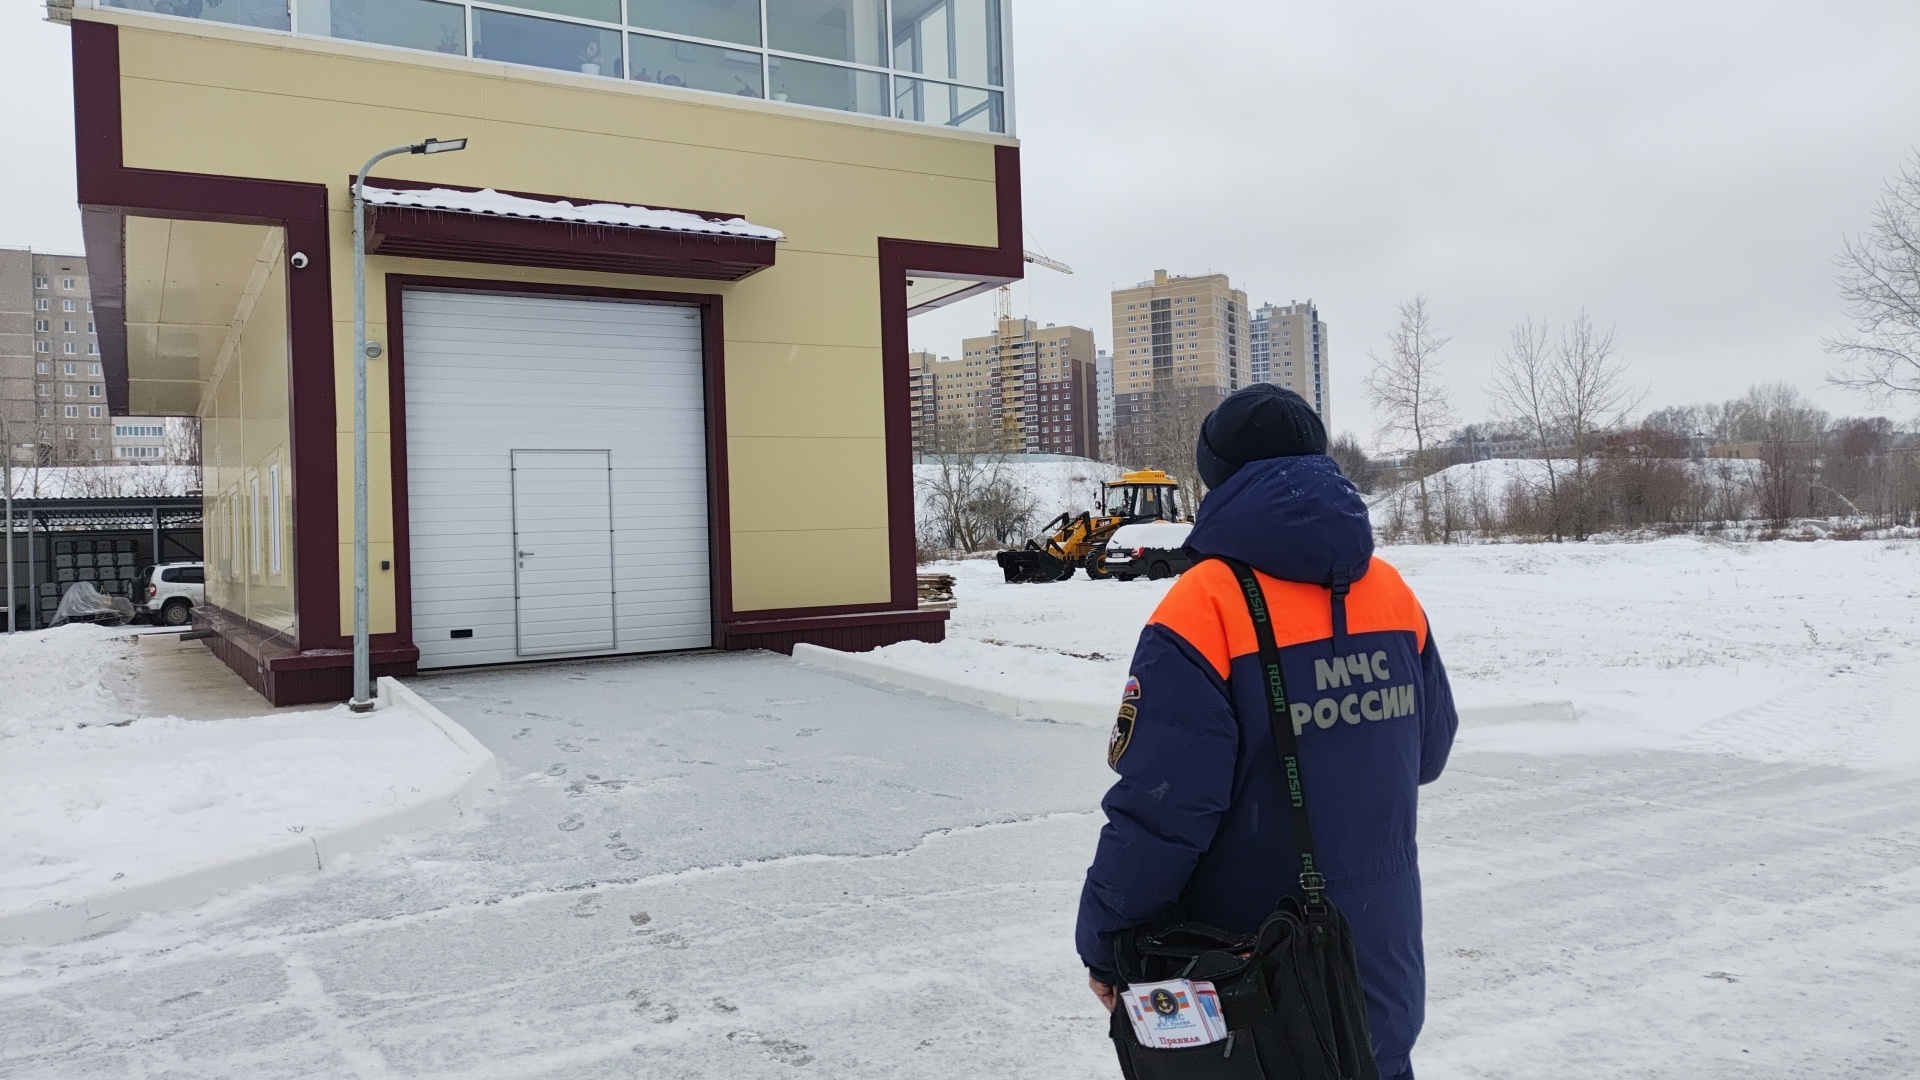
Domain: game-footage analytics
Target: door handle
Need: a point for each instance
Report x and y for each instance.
(524, 554)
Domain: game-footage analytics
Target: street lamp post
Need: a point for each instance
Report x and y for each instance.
(6, 438)
(362, 350)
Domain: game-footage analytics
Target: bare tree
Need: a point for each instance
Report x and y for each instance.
(1591, 397)
(1175, 410)
(974, 499)
(1405, 388)
(1788, 431)
(1002, 510)
(1354, 463)
(1522, 391)
(965, 457)
(182, 441)
(1880, 282)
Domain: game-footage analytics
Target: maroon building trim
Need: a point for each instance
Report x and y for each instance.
(899, 259)
(461, 236)
(108, 193)
(284, 674)
(847, 633)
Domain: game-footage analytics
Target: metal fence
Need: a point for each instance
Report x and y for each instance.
(57, 542)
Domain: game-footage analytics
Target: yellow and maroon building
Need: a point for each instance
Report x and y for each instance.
(644, 378)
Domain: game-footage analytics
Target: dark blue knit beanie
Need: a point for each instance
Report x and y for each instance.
(1262, 421)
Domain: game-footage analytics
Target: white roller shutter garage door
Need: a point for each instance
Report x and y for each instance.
(556, 477)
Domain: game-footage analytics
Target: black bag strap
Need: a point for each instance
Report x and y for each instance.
(1311, 881)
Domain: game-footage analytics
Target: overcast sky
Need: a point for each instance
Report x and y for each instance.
(1683, 171)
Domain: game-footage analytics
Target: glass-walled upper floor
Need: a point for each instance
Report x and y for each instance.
(933, 61)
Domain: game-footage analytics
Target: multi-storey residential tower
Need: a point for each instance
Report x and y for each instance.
(1103, 394)
(51, 386)
(1026, 388)
(1187, 332)
(1289, 349)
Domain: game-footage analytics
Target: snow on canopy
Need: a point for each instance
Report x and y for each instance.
(105, 481)
(498, 204)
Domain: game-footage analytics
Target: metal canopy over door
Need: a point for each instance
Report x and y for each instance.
(563, 552)
(527, 398)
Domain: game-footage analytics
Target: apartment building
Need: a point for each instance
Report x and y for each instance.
(52, 387)
(1032, 387)
(1288, 346)
(1173, 331)
(141, 440)
(1103, 397)
(921, 382)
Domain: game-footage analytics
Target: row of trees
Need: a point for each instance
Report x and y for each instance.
(1769, 455)
(1561, 396)
(1559, 393)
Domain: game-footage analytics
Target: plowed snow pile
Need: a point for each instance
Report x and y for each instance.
(93, 797)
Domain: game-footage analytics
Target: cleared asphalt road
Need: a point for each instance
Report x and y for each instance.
(736, 866)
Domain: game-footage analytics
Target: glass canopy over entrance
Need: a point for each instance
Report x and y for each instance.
(932, 61)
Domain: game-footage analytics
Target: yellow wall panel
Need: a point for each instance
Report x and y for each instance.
(787, 484)
(803, 391)
(380, 610)
(810, 568)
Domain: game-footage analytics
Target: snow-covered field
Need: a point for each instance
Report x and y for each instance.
(1780, 652)
(95, 797)
(739, 866)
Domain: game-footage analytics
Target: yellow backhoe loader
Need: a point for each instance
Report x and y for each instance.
(1072, 541)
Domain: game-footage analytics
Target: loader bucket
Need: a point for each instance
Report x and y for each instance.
(1033, 567)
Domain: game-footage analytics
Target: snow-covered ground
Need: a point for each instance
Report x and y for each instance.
(738, 866)
(95, 797)
(1781, 651)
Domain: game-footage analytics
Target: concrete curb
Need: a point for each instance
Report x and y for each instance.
(111, 909)
(1093, 713)
(1060, 710)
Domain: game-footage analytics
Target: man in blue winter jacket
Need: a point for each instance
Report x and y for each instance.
(1198, 817)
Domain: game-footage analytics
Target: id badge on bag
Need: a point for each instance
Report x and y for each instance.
(1175, 1013)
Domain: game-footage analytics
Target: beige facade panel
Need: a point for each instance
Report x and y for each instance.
(784, 564)
(828, 184)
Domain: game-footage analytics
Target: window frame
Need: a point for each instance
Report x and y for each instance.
(1005, 89)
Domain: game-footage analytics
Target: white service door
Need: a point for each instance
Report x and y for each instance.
(517, 397)
(563, 551)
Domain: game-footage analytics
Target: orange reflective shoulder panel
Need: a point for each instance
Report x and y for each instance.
(1206, 609)
(1381, 601)
(1193, 610)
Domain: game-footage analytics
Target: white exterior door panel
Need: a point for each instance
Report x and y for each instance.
(514, 399)
(563, 552)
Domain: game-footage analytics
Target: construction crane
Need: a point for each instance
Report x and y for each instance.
(1005, 299)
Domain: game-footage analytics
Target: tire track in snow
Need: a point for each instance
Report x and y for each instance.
(1862, 718)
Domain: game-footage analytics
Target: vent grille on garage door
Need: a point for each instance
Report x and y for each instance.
(573, 431)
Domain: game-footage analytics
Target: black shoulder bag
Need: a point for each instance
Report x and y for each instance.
(1290, 991)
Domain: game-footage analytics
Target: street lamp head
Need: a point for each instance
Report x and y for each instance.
(439, 146)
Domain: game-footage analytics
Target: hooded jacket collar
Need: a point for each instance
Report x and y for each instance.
(1293, 518)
